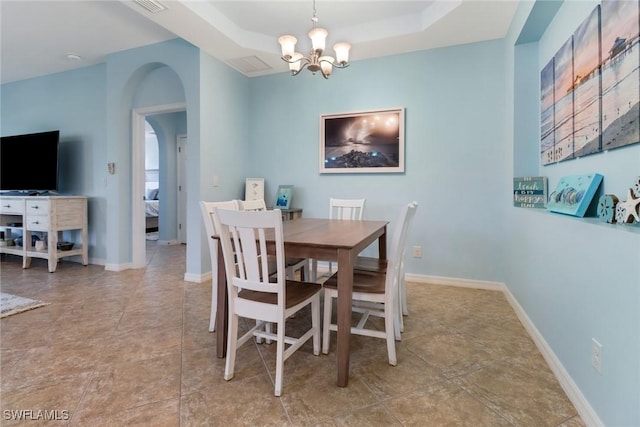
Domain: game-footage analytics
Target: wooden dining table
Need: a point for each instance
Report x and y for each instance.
(326, 240)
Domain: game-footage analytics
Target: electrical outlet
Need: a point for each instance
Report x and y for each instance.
(417, 251)
(596, 355)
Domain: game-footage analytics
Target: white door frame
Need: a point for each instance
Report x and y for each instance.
(138, 117)
(182, 144)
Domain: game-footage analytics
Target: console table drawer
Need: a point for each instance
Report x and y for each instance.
(37, 223)
(12, 206)
(37, 207)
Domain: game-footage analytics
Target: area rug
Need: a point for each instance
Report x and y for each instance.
(11, 304)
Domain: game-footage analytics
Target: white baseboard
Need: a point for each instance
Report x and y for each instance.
(588, 415)
(168, 242)
(118, 267)
(454, 281)
(197, 278)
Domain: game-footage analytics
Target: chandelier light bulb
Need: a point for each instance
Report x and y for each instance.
(318, 38)
(296, 62)
(288, 44)
(342, 52)
(326, 65)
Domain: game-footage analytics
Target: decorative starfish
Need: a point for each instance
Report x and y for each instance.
(631, 206)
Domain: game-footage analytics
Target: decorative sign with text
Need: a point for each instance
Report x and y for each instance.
(530, 192)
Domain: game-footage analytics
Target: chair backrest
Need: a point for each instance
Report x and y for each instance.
(243, 236)
(207, 216)
(346, 208)
(396, 252)
(252, 205)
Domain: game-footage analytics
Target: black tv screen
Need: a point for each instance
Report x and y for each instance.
(29, 162)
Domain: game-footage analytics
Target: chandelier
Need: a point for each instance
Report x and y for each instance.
(315, 61)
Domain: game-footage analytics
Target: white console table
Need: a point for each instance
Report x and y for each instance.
(48, 214)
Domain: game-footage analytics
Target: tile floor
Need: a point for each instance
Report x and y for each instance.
(132, 348)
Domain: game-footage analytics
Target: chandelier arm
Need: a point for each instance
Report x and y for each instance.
(302, 67)
(336, 64)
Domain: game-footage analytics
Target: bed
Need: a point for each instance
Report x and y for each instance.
(151, 212)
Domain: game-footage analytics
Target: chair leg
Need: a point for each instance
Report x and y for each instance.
(214, 305)
(232, 341)
(389, 327)
(314, 270)
(315, 324)
(328, 302)
(403, 296)
(279, 359)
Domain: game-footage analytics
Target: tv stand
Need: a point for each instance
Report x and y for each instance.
(49, 214)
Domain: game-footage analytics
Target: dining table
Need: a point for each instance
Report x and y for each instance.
(334, 240)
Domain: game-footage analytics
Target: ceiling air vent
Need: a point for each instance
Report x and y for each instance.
(249, 64)
(151, 5)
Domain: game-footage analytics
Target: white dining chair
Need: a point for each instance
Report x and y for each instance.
(255, 293)
(374, 264)
(292, 264)
(374, 294)
(206, 209)
(340, 209)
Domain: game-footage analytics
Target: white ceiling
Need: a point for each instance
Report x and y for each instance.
(37, 36)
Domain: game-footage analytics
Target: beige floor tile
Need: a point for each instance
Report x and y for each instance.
(128, 385)
(165, 413)
(522, 395)
(249, 402)
(443, 404)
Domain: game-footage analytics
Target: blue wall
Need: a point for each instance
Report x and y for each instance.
(75, 103)
(456, 167)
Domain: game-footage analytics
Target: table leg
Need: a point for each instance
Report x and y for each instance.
(223, 307)
(382, 245)
(345, 292)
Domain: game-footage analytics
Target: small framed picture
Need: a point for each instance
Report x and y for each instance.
(254, 189)
(283, 197)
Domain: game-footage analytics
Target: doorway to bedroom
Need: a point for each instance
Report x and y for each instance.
(161, 174)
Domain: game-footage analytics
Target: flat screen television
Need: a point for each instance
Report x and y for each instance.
(29, 163)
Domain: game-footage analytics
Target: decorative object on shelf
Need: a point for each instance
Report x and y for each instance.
(254, 189)
(530, 192)
(629, 210)
(283, 197)
(612, 210)
(574, 193)
(315, 61)
(590, 91)
(64, 246)
(362, 142)
(636, 187)
(607, 208)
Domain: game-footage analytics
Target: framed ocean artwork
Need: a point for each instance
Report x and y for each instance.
(574, 193)
(362, 142)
